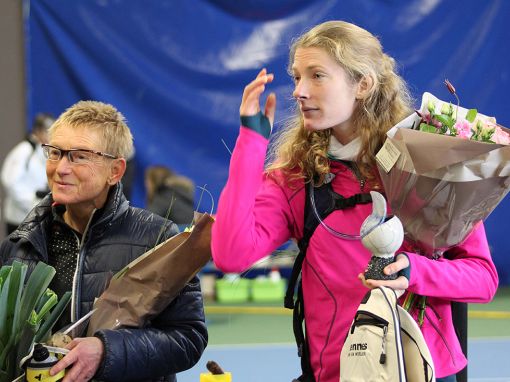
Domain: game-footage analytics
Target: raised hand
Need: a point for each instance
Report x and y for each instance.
(250, 104)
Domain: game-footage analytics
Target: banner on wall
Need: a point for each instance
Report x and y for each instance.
(177, 69)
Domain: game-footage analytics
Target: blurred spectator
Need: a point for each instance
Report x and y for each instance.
(169, 195)
(129, 176)
(24, 173)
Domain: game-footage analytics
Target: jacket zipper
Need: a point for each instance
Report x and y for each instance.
(75, 296)
(355, 170)
(434, 311)
(353, 167)
(442, 337)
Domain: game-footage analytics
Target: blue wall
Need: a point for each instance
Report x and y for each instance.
(176, 69)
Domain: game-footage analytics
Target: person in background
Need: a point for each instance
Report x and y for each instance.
(23, 173)
(87, 231)
(129, 177)
(348, 95)
(169, 195)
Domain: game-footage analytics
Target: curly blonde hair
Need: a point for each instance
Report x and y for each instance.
(302, 154)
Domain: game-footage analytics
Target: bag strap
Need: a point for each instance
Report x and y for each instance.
(298, 317)
(326, 201)
(325, 204)
(33, 144)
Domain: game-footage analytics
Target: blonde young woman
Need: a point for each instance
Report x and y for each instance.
(348, 95)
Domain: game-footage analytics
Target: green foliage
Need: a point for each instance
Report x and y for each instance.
(471, 115)
(29, 311)
(445, 121)
(427, 128)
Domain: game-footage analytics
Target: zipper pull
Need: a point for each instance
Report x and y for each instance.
(361, 180)
(382, 358)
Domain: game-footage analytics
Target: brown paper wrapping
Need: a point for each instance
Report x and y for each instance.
(440, 186)
(145, 287)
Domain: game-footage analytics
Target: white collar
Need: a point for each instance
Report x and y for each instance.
(347, 152)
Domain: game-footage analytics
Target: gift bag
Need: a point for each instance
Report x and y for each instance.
(146, 286)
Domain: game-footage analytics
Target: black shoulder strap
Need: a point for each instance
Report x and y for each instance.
(326, 201)
(33, 144)
(325, 205)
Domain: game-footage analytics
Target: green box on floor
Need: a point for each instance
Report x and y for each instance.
(267, 290)
(232, 290)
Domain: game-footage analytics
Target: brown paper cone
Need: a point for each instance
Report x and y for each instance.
(146, 286)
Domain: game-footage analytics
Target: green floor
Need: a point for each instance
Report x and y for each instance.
(270, 323)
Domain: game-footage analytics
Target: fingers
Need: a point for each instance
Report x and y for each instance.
(82, 362)
(77, 375)
(361, 276)
(250, 104)
(400, 263)
(400, 282)
(74, 342)
(64, 363)
(270, 108)
(366, 282)
(392, 268)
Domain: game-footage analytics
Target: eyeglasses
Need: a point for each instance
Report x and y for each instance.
(76, 156)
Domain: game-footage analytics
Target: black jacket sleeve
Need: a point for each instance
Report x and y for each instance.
(172, 343)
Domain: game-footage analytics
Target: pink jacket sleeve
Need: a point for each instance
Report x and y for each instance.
(465, 274)
(253, 216)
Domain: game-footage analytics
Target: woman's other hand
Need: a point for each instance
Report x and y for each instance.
(400, 283)
(82, 361)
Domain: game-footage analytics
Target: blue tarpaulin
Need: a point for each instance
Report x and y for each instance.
(177, 69)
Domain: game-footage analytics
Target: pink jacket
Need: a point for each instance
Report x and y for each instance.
(256, 214)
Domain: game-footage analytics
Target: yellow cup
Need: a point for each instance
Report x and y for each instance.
(208, 377)
(43, 375)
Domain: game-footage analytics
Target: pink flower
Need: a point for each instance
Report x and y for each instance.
(501, 136)
(463, 128)
(424, 117)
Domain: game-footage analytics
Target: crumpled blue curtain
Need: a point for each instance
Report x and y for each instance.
(177, 69)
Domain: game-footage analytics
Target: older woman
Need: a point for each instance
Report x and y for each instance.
(86, 229)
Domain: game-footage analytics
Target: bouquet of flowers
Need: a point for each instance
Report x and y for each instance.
(441, 185)
(444, 169)
(472, 126)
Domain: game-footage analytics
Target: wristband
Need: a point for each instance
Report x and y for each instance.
(406, 272)
(258, 122)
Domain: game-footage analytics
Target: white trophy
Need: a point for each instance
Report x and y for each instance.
(382, 235)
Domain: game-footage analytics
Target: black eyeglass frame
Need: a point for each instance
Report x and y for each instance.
(63, 152)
